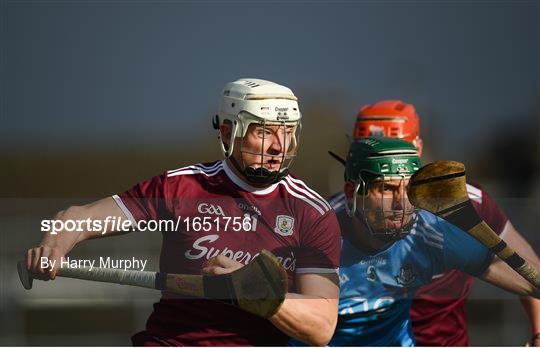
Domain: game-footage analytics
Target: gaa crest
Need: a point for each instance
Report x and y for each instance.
(406, 276)
(284, 225)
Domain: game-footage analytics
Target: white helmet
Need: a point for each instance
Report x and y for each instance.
(246, 101)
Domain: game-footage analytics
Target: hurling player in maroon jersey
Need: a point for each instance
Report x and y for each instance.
(438, 312)
(229, 210)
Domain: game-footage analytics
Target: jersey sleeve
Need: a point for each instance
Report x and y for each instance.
(320, 247)
(461, 251)
(146, 200)
(488, 210)
(337, 200)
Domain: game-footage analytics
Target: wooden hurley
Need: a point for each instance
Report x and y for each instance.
(440, 188)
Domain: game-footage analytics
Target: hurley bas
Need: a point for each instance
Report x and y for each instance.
(104, 262)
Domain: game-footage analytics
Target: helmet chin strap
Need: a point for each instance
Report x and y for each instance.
(261, 175)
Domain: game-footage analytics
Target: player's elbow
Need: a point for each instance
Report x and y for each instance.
(330, 329)
(72, 213)
(324, 339)
(325, 330)
(322, 334)
(321, 337)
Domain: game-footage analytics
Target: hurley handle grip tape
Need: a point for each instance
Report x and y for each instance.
(145, 279)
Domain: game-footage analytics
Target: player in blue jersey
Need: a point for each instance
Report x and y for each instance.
(390, 249)
(438, 311)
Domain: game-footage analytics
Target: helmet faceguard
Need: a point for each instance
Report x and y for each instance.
(376, 216)
(272, 111)
(382, 167)
(287, 134)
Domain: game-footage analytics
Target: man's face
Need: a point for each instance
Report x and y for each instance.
(387, 207)
(267, 146)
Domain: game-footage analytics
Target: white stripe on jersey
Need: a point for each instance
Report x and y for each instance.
(124, 209)
(337, 200)
(429, 242)
(304, 198)
(428, 238)
(474, 193)
(321, 201)
(338, 205)
(436, 276)
(196, 166)
(196, 170)
(209, 170)
(317, 270)
(300, 182)
(433, 233)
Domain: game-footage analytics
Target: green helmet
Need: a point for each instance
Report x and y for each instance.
(371, 159)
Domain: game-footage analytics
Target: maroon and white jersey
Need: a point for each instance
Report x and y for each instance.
(438, 310)
(218, 213)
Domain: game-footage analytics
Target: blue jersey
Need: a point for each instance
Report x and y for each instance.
(376, 290)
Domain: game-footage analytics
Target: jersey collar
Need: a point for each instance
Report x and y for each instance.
(245, 186)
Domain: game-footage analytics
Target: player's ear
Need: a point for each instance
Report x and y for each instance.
(348, 189)
(419, 143)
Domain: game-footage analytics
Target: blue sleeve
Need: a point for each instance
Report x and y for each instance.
(461, 251)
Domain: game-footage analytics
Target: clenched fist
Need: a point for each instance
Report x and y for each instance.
(220, 264)
(43, 262)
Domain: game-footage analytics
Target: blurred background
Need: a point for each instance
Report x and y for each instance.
(98, 95)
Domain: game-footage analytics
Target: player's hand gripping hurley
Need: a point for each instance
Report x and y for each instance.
(258, 287)
(440, 188)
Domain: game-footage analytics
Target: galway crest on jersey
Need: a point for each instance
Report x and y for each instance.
(284, 225)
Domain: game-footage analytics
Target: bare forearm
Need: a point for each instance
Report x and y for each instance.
(532, 308)
(502, 275)
(307, 318)
(63, 240)
(103, 212)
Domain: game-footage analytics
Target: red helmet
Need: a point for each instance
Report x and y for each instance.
(388, 118)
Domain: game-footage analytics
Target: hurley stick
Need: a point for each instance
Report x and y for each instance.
(258, 287)
(440, 188)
